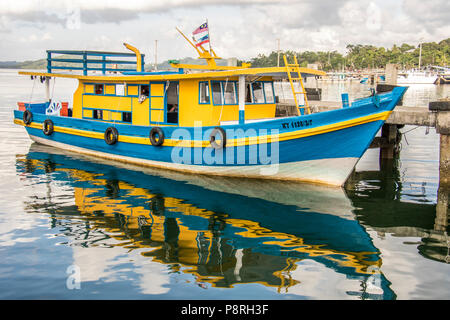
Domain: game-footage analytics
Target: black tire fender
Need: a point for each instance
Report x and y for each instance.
(156, 136)
(27, 117)
(222, 138)
(48, 127)
(111, 135)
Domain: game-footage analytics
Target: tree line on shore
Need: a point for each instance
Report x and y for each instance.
(358, 57)
(364, 57)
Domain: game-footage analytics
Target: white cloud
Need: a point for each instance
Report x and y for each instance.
(238, 28)
(373, 21)
(33, 37)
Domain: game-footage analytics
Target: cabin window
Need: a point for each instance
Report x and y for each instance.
(145, 90)
(98, 89)
(216, 93)
(120, 89)
(126, 116)
(224, 92)
(172, 95)
(204, 93)
(229, 90)
(268, 92)
(258, 94)
(98, 114)
(248, 93)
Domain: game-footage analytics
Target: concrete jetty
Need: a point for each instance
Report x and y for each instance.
(436, 115)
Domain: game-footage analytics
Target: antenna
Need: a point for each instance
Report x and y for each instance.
(156, 55)
(209, 37)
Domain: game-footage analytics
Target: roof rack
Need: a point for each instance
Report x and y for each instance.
(94, 61)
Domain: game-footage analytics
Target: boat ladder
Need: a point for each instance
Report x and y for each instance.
(297, 83)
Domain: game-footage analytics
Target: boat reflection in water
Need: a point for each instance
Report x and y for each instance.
(221, 232)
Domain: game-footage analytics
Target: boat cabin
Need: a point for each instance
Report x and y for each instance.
(180, 102)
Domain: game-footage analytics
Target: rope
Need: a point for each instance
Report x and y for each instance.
(53, 88)
(32, 89)
(410, 130)
(404, 133)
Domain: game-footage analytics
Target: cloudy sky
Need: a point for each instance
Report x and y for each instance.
(238, 28)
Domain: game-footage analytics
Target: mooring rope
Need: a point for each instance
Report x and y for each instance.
(53, 88)
(32, 90)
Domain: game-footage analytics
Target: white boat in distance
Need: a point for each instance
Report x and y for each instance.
(419, 77)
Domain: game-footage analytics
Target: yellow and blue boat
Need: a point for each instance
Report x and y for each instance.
(203, 119)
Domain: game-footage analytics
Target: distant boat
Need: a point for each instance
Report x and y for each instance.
(443, 75)
(417, 77)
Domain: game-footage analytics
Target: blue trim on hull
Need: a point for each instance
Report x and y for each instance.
(350, 142)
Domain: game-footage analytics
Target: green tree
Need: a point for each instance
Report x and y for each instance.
(364, 56)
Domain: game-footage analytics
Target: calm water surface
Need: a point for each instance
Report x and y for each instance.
(130, 233)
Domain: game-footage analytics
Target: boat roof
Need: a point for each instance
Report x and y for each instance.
(275, 72)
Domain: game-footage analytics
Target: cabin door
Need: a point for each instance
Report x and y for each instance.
(157, 102)
(164, 102)
(172, 94)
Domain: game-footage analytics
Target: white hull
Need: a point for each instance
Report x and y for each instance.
(411, 79)
(324, 171)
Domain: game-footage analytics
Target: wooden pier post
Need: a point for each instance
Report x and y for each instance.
(441, 221)
(444, 159)
(442, 109)
(390, 138)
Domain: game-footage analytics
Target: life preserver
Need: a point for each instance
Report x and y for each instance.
(156, 136)
(111, 135)
(48, 127)
(27, 117)
(222, 137)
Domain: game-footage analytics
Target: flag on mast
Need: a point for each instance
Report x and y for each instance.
(202, 28)
(203, 37)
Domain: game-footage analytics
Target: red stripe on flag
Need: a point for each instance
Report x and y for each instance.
(200, 43)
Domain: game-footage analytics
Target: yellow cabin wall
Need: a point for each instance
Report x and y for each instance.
(191, 111)
(110, 89)
(77, 101)
(141, 112)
